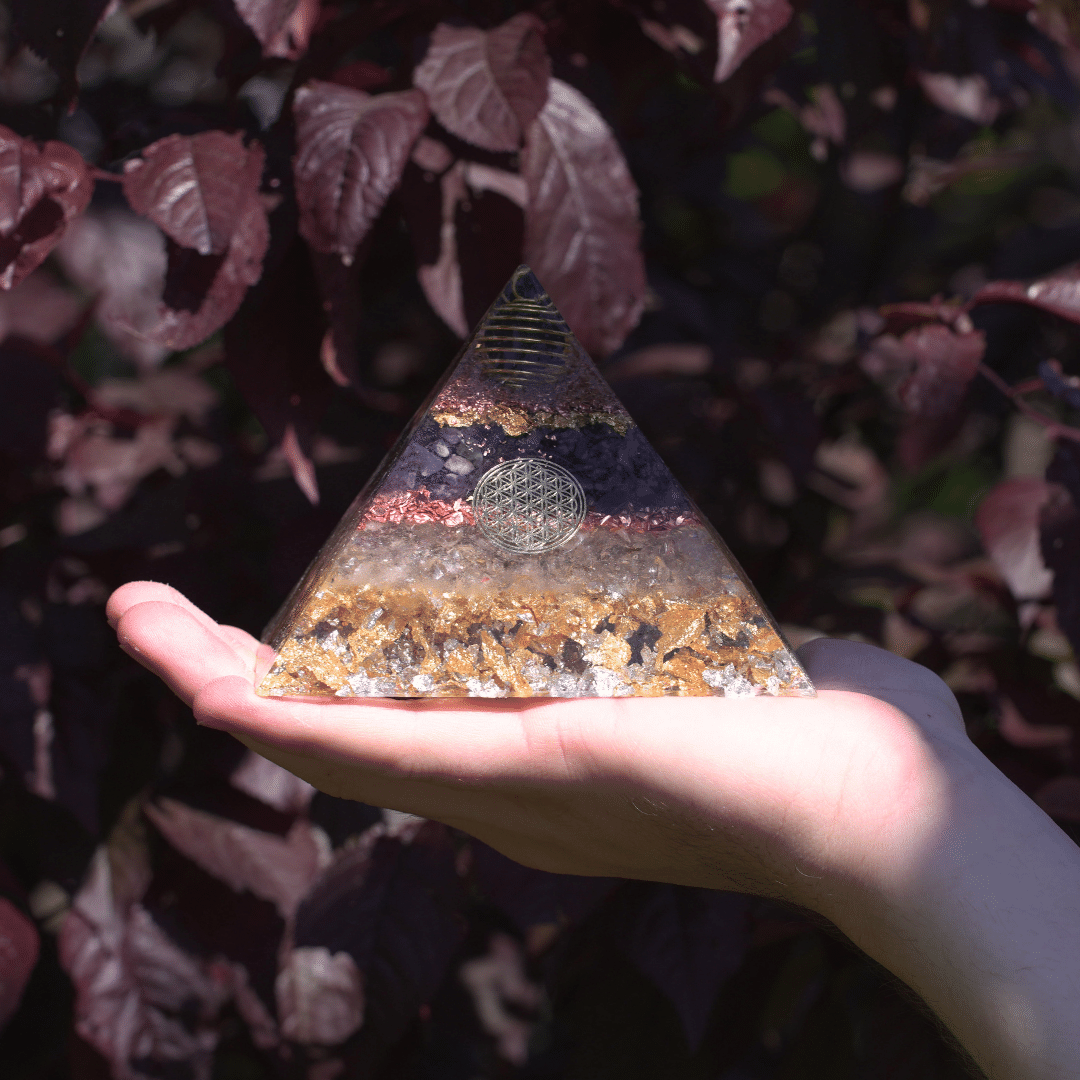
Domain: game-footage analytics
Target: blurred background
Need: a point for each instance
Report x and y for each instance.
(824, 252)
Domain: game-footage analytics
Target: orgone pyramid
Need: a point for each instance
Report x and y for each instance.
(523, 539)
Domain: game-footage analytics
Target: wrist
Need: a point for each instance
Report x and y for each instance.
(971, 896)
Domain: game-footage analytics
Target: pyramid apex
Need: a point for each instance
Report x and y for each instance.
(524, 285)
(523, 369)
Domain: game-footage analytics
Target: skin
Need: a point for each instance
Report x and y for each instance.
(867, 804)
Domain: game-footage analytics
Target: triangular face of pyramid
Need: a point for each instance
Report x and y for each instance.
(523, 539)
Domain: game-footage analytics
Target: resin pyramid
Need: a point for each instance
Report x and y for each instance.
(523, 539)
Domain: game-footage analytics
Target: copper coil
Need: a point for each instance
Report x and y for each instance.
(524, 342)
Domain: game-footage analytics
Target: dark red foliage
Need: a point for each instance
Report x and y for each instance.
(1060, 523)
(1008, 521)
(1058, 293)
(846, 211)
(352, 148)
(689, 942)
(395, 908)
(283, 27)
(196, 188)
(202, 191)
(533, 898)
(41, 190)
(1065, 388)
(273, 346)
(581, 226)
(487, 87)
(744, 25)
(58, 31)
(18, 955)
(362, 75)
(945, 362)
(902, 317)
(35, 389)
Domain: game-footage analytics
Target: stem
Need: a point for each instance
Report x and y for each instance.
(1054, 428)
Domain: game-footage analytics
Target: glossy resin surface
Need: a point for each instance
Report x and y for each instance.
(523, 539)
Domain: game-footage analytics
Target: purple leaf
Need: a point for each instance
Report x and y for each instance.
(301, 466)
(1058, 293)
(1058, 21)
(219, 294)
(869, 171)
(483, 206)
(1017, 729)
(283, 27)
(824, 115)
(1008, 524)
(320, 996)
(195, 188)
(441, 280)
(967, 96)
(237, 927)
(945, 362)
(38, 24)
(203, 192)
(269, 783)
(393, 907)
(911, 313)
(535, 897)
(1064, 387)
(581, 220)
(274, 868)
(41, 191)
(361, 75)
(33, 393)
(497, 983)
(352, 148)
(273, 347)
(490, 226)
(1061, 536)
(675, 38)
(743, 26)
(487, 87)
(689, 941)
(140, 1000)
(18, 957)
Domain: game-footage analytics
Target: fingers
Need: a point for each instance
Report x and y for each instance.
(839, 664)
(135, 593)
(141, 592)
(436, 740)
(239, 639)
(178, 647)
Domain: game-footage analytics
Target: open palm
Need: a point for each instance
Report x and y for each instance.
(775, 796)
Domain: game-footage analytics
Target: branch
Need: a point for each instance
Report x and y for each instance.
(1054, 428)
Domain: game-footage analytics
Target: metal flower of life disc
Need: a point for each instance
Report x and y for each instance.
(528, 505)
(523, 539)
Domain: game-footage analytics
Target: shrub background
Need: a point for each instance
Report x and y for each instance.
(828, 265)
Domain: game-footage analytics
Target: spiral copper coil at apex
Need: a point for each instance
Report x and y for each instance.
(524, 342)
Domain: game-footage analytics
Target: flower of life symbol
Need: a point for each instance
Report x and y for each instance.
(528, 505)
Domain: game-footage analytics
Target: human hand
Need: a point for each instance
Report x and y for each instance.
(867, 804)
(788, 797)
